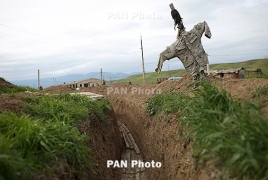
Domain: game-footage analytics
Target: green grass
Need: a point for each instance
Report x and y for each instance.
(47, 135)
(29, 145)
(149, 77)
(250, 64)
(152, 77)
(7, 87)
(65, 107)
(260, 91)
(223, 130)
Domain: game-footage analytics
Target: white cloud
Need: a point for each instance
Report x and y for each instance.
(61, 37)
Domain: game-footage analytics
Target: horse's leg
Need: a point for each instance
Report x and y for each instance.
(167, 54)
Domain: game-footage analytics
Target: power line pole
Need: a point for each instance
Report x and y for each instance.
(38, 79)
(101, 75)
(168, 71)
(143, 70)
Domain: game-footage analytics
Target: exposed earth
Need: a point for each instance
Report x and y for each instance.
(156, 137)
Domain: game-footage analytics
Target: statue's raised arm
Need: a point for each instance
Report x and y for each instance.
(187, 47)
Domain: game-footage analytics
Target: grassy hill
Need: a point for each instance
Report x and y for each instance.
(250, 64)
(7, 87)
(152, 77)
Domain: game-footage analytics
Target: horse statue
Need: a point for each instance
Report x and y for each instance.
(188, 48)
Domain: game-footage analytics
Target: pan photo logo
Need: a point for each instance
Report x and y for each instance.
(133, 164)
(134, 15)
(132, 90)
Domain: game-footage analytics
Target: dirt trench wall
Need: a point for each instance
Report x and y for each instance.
(159, 140)
(106, 144)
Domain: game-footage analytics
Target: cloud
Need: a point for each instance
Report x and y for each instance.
(62, 37)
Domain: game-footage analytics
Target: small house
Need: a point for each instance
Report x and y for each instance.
(92, 82)
(237, 73)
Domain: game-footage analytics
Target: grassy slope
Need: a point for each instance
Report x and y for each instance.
(250, 64)
(7, 87)
(151, 77)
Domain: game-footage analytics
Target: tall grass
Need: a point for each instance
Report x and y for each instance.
(65, 107)
(260, 91)
(28, 145)
(222, 129)
(47, 135)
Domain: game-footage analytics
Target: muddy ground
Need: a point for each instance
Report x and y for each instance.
(157, 137)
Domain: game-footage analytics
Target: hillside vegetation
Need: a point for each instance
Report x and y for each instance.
(152, 77)
(7, 87)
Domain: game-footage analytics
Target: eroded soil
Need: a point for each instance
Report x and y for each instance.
(157, 137)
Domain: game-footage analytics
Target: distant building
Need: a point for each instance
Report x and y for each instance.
(85, 83)
(237, 73)
(253, 71)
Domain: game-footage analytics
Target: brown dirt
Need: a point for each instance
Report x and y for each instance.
(5, 83)
(11, 103)
(157, 137)
(106, 144)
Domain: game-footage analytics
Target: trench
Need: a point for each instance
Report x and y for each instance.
(131, 154)
(129, 118)
(148, 138)
(158, 140)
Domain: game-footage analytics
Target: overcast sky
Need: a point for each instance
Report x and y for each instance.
(62, 37)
